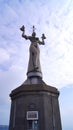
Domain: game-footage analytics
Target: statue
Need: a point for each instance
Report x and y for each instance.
(34, 61)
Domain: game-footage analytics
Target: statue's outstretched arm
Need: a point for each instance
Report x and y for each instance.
(41, 42)
(23, 32)
(25, 36)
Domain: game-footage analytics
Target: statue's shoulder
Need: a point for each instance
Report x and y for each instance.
(37, 38)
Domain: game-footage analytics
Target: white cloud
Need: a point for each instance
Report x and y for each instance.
(54, 18)
(4, 56)
(55, 23)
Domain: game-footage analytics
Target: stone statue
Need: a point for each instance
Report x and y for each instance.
(34, 61)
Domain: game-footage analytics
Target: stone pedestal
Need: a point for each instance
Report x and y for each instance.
(35, 107)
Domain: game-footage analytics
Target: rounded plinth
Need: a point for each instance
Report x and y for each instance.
(34, 74)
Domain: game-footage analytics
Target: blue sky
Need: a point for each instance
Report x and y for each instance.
(55, 19)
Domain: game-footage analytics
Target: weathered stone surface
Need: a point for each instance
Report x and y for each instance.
(41, 98)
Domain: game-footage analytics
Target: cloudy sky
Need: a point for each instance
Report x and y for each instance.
(55, 19)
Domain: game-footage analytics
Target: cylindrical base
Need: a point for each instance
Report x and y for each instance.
(34, 74)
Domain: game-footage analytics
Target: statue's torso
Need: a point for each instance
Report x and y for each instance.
(34, 40)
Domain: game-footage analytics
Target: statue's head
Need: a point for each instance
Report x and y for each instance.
(33, 34)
